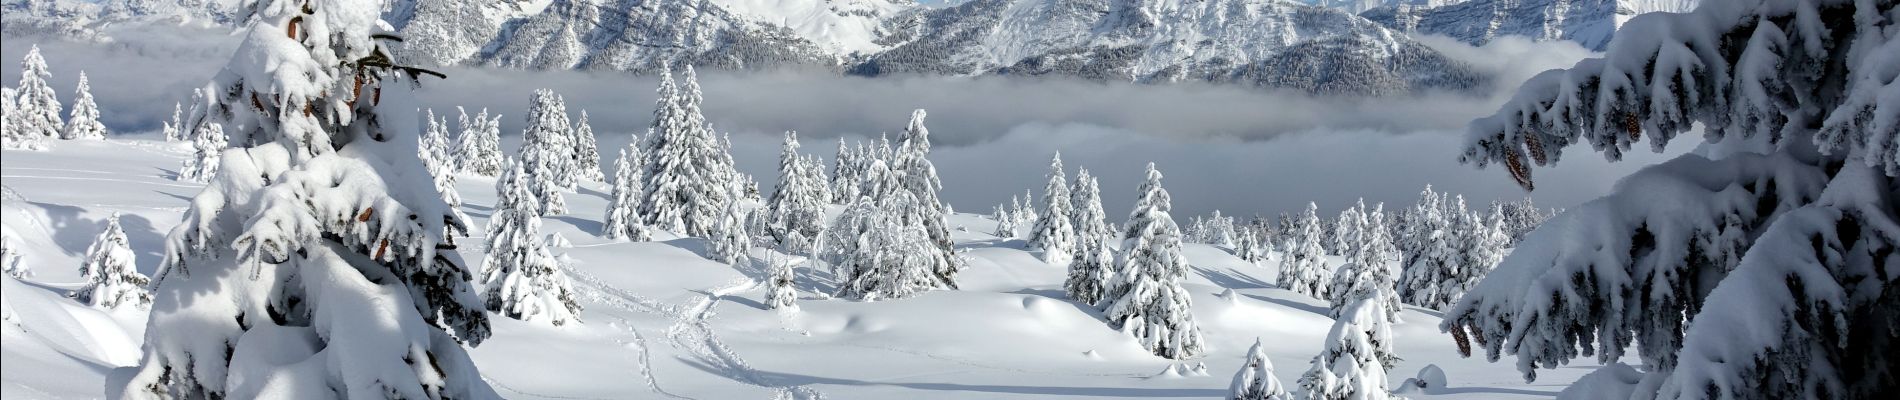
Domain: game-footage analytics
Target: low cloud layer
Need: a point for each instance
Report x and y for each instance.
(1240, 150)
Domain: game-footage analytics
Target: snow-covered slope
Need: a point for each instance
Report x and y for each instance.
(1588, 22)
(1265, 43)
(661, 321)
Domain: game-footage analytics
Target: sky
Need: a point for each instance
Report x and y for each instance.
(1242, 151)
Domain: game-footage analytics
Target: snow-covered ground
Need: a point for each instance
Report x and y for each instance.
(663, 322)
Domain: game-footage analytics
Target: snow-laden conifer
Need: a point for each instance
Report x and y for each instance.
(1357, 356)
(845, 175)
(1255, 380)
(547, 151)
(15, 132)
(37, 104)
(796, 213)
(111, 271)
(1758, 267)
(621, 221)
(171, 129)
(1303, 267)
(320, 229)
(688, 174)
(779, 292)
(1054, 231)
(438, 159)
(1094, 266)
(207, 153)
(1433, 259)
(1368, 269)
(522, 279)
(478, 147)
(1147, 300)
(910, 162)
(83, 123)
(586, 152)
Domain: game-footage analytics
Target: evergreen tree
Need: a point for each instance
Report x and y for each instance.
(1255, 381)
(621, 221)
(1054, 232)
(207, 145)
(547, 152)
(1303, 268)
(436, 157)
(15, 132)
(731, 241)
(84, 121)
(38, 105)
(1094, 265)
(1345, 229)
(1147, 300)
(1433, 252)
(1367, 272)
(916, 174)
(586, 153)
(779, 293)
(112, 277)
(330, 238)
(689, 175)
(880, 253)
(172, 131)
(1005, 222)
(1760, 266)
(845, 175)
(478, 148)
(1358, 353)
(796, 214)
(521, 278)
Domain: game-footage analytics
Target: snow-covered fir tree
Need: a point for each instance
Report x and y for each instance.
(1357, 356)
(879, 254)
(845, 175)
(547, 152)
(731, 240)
(438, 158)
(688, 174)
(1026, 210)
(1433, 247)
(1054, 231)
(172, 133)
(320, 230)
(910, 162)
(779, 292)
(586, 152)
(521, 278)
(1255, 380)
(478, 147)
(1303, 267)
(1094, 265)
(1005, 221)
(207, 153)
(1758, 267)
(111, 272)
(1249, 247)
(1368, 270)
(1480, 245)
(1147, 300)
(795, 216)
(83, 123)
(1520, 217)
(621, 221)
(37, 104)
(1345, 229)
(15, 132)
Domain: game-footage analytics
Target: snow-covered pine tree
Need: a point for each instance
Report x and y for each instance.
(779, 292)
(1219, 231)
(796, 213)
(207, 145)
(547, 151)
(1094, 264)
(38, 105)
(111, 273)
(319, 235)
(521, 278)
(1026, 210)
(1479, 245)
(1255, 380)
(878, 252)
(1249, 247)
(689, 175)
(1434, 258)
(621, 221)
(1005, 222)
(172, 133)
(1345, 229)
(730, 240)
(1303, 268)
(1147, 300)
(916, 174)
(1354, 364)
(1054, 232)
(437, 159)
(84, 121)
(586, 152)
(845, 175)
(15, 132)
(478, 148)
(1520, 217)
(1759, 267)
(1368, 270)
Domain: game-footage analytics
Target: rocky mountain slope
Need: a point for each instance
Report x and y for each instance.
(1588, 22)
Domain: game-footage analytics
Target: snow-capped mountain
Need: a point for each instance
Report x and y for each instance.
(1359, 6)
(1266, 43)
(1589, 22)
(1269, 43)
